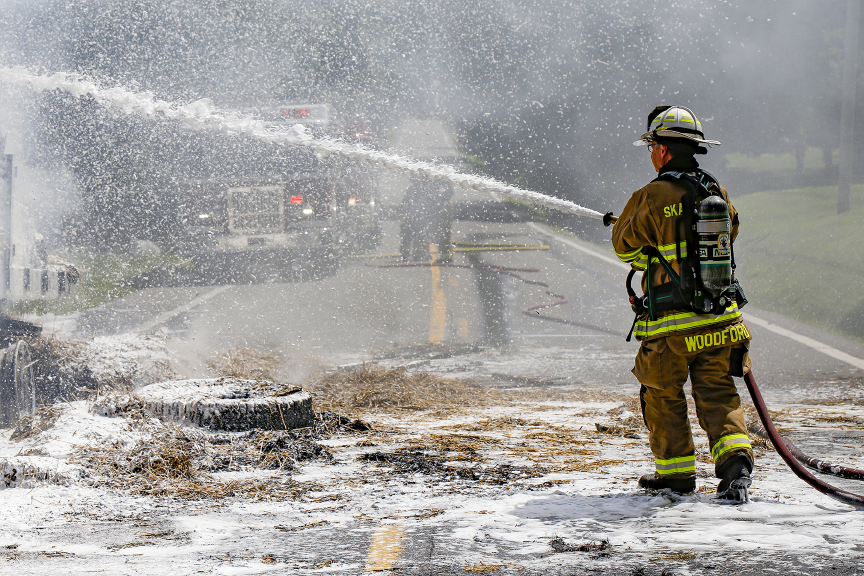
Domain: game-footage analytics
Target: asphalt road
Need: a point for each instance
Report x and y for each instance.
(374, 304)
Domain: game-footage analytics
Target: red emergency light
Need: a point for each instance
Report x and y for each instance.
(295, 112)
(296, 199)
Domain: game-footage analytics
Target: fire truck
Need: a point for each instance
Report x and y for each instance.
(298, 221)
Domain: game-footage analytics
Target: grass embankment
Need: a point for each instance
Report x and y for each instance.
(102, 276)
(798, 257)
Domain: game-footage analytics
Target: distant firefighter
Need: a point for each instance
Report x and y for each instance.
(427, 213)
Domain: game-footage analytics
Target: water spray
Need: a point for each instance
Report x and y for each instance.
(202, 115)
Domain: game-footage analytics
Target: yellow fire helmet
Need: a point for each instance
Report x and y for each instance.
(675, 122)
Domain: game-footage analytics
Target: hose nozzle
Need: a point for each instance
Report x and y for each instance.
(608, 219)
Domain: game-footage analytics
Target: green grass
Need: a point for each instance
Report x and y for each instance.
(798, 257)
(101, 276)
(813, 160)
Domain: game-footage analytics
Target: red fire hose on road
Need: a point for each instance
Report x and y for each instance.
(531, 311)
(788, 451)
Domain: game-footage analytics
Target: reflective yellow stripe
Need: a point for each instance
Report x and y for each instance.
(729, 442)
(628, 256)
(680, 465)
(678, 321)
(668, 251)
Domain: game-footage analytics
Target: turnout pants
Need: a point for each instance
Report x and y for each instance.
(662, 367)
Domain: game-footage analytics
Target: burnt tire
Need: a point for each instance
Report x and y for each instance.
(17, 386)
(228, 404)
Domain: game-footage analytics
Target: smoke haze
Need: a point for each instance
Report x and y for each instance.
(548, 95)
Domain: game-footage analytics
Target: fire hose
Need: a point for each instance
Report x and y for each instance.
(791, 455)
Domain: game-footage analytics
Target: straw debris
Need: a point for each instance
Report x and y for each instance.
(303, 527)
(616, 430)
(421, 459)
(491, 424)
(36, 423)
(484, 567)
(269, 450)
(429, 513)
(248, 364)
(177, 462)
(375, 387)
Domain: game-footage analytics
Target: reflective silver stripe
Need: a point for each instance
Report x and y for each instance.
(670, 251)
(676, 465)
(729, 442)
(712, 226)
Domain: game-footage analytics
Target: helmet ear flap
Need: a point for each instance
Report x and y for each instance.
(653, 114)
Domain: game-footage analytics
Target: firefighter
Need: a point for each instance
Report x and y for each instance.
(427, 214)
(680, 339)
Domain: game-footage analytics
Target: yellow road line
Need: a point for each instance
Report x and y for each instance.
(385, 548)
(438, 315)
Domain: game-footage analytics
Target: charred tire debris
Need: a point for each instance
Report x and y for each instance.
(424, 460)
(179, 461)
(17, 388)
(229, 404)
(17, 385)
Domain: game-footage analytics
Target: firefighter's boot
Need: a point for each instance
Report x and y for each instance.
(679, 485)
(735, 480)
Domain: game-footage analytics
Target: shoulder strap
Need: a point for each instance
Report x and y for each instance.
(653, 252)
(692, 180)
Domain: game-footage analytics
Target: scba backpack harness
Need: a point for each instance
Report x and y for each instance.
(706, 284)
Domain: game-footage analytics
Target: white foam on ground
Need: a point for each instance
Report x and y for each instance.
(511, 523)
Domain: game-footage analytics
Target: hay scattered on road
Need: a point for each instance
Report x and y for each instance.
(248, 364)
(303, 527)
(485, 567)
(494, 424)
(375, 387)
(177, 462)
(616, 430)
(34, 424)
